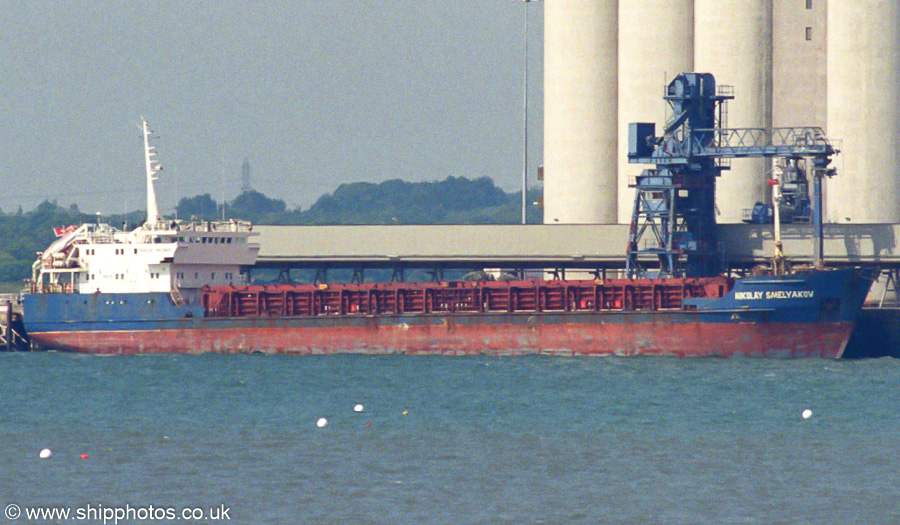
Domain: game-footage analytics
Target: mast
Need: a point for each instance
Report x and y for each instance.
(778, 258)
(152, 167)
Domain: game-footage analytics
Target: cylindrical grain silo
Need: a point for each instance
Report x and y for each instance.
(733, 41)
(656, 43)
(580, 55)
(864, 110)
(798, 64)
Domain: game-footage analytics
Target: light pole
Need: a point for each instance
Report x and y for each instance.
(525, 117)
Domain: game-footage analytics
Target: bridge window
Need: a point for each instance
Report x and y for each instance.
(809, 33)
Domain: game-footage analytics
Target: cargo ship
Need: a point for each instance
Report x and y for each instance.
(801, 315)
(182, 286)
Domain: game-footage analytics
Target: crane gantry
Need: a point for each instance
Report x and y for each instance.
(675, 202)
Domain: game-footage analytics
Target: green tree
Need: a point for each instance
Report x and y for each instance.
(453, 200)
(256, 207)
(203, 207)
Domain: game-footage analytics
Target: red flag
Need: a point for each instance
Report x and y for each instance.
(63, 230)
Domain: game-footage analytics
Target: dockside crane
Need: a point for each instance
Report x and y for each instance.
(673, 222)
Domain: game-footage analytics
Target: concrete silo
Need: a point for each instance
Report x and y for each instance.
(798, 64)
(580, 81)
(733, 41)
(864, 110)
(656, 43)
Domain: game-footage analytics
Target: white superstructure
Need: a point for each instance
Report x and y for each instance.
(177, 257)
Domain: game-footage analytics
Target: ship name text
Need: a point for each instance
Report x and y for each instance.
(774, 294)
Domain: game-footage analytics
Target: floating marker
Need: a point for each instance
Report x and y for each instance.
(46, 453)
(404, 412)
(807, 414)
(368, 425)
(358, 408)
(84, 456)
(322, 422)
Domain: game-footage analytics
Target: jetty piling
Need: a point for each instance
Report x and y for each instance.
(12, 331)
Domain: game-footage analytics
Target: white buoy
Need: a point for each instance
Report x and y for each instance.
(807, 414)
(46, 453)
(358, 408)
(322, 422)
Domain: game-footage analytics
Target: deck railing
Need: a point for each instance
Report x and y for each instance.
(458, 298)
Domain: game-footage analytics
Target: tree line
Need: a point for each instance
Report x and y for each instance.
(454, 200)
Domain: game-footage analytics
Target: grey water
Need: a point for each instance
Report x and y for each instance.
(453, 439)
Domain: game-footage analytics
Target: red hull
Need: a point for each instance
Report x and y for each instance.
(686, 339)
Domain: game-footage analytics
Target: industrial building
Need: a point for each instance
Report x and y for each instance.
(835, 65)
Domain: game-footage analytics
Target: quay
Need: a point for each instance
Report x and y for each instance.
(590, 247)
(12, 331)
(876, 334)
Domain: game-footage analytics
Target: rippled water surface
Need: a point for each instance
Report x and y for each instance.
(455, 439)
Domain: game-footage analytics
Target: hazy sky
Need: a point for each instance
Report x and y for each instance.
(313, 93)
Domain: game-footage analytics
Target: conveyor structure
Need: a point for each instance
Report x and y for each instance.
(673, 225)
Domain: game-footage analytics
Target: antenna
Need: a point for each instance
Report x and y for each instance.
(245, 176)
(152, 167)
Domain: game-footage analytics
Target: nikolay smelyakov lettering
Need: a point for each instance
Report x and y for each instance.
(774, 294)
